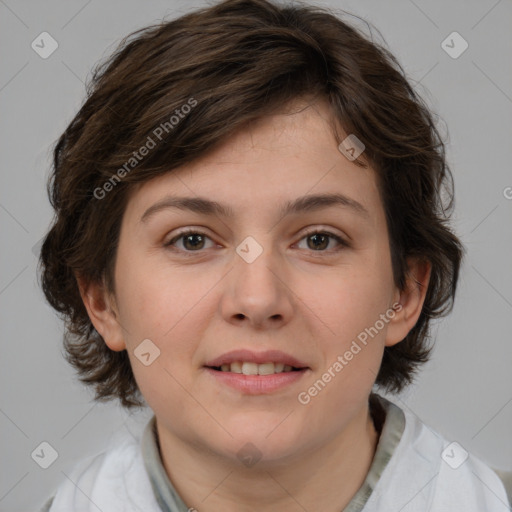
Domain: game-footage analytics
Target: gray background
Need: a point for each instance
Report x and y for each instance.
(465, 392)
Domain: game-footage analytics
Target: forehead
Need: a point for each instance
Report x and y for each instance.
(264, 167)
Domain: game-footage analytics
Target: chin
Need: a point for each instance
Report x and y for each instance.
(269, 434)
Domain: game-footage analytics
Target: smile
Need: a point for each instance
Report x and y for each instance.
(248, 368)
(247, 379)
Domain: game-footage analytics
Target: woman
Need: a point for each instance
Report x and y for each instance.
(249, 236)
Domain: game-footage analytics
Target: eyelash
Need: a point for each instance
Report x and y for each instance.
(182, 234)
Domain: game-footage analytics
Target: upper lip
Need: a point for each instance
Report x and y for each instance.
(268, 356)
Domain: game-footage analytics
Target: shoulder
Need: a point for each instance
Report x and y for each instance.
(114, 480)
(78, 485)
(429, 472)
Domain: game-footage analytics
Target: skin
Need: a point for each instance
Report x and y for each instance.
(309, 303)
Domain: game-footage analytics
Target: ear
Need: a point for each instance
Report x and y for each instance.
(101, 309)
(409, 302)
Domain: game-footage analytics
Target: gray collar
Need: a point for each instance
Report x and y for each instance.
(382, 411)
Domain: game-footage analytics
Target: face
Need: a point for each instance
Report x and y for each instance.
(254, 283)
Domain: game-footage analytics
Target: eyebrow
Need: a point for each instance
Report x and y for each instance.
(302, 204)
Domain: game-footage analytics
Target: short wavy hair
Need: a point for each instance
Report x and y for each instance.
(239, 61)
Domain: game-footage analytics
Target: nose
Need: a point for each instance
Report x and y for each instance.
(256, 291)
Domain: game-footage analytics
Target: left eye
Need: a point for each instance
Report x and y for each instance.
(320, 240)
(195, 240)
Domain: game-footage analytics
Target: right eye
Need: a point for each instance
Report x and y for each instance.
(193, 241)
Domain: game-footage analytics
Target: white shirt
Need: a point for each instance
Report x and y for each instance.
(414, 470)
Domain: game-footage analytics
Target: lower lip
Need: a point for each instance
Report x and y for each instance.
(257, 384)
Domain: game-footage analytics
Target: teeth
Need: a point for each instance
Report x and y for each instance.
(235, 367)
(255, 369)
(265, 368)
(249, 368)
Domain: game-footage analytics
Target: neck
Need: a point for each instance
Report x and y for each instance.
(324, 478)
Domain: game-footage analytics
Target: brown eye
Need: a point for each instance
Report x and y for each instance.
(192, 241)
(319, 241)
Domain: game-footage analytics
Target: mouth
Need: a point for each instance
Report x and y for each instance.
(256, 373)
(248, 362)
(249, 368)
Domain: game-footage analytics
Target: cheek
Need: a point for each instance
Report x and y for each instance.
(167, 311)
(350, 300)
(153, 299)
(352, 346)
(350, 304)
(171, 308)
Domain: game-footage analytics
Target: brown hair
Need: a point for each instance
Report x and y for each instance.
(236, 62)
